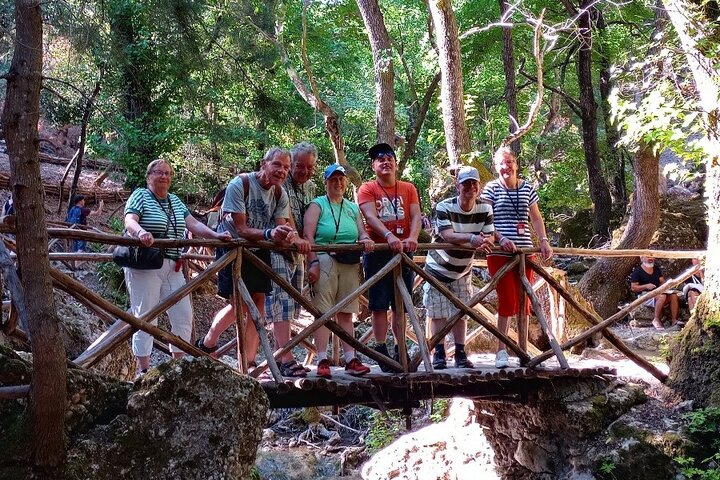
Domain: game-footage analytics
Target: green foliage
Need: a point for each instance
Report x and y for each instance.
(704, 429)
(382, 431)
(607, 467)
(440, 409)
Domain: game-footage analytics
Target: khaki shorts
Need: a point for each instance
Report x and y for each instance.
(335, 282)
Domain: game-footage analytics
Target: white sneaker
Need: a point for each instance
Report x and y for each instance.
(501, 359)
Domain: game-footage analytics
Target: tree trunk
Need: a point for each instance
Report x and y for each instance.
(508, 55)
(695, 366)
(383, 68)
(616, 155)
(20, 125)
(599, 192)
(602, 284)
(457, 138)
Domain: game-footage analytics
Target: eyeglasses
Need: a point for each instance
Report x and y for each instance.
(384, 156)
(162, 173)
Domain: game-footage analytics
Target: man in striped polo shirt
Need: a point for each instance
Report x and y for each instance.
(462, 220)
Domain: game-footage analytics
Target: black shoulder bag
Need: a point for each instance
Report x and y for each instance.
(143, 258)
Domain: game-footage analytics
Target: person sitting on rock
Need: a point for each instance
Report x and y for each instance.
(648, 276)
(694, 286)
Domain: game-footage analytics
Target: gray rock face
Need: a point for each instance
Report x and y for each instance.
(189, 419)
(540, 439)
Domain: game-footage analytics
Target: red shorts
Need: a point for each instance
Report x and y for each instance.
(509, 287)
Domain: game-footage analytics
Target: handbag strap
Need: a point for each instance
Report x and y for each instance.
(167, 214)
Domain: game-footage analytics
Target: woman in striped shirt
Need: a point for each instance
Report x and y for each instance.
(152, 213)
(515, 206)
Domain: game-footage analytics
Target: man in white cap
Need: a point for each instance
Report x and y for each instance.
(461, 220)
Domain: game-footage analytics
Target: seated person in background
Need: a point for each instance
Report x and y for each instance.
(646, 277)
(694, 286)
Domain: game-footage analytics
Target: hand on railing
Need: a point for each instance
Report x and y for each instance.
(368, 244)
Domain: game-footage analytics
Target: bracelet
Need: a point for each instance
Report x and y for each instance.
(388, 233)
(267, 234)
(502, 239)
(544, 239)
(472, 239)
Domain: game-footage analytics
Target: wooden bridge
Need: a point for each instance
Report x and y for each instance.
(411, 380)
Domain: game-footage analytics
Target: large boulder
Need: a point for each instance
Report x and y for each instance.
(80, 328)
(189, 419)
(540, 439)
(456, 445)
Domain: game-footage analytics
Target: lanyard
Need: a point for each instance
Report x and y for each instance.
(515, 203)
(336, 221)
(170, 214)
(394, 201)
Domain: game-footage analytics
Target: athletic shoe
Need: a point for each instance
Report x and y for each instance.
(501, 359)
(439, 362)
(323, 369)
(382, 348)
(356, 368)
(461, 360)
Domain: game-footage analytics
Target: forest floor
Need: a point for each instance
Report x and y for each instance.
(336, 438)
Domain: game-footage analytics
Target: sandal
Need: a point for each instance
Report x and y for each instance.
(292, 369)
(659, 328)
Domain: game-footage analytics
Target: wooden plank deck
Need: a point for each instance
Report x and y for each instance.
(400, 389)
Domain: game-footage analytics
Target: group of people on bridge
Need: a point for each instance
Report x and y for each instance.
(279, 204)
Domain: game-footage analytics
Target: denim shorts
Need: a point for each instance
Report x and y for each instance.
(255, 280)
(381, 296)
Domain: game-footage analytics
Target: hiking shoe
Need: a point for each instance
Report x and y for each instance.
(501, 359)
(200, 343)
(396, 355)
(323, 369)
(439, 362)
(356, 368)
(461, 360)
(382, 348)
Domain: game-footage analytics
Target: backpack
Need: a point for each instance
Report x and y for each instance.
(220, 196)
(74, 215)
(9, 207)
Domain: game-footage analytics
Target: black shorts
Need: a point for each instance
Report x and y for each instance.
(381, 296)
(255, 280)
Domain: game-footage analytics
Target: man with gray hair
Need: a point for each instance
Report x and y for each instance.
(280, 307)
(255, 208)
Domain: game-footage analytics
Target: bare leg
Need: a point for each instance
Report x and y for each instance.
(282, 337)
(659, 305)
(143, 363)
(692, 299)
(322, 338)
(345, 322)
(459, 330)
(674, 307)
(502, 325)
(380, 325)
(221, 322)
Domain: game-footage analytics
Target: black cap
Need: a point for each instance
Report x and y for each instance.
(380, 149)
(76, 198)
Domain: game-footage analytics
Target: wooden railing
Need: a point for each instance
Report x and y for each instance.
(122, 324)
